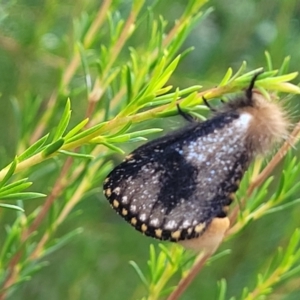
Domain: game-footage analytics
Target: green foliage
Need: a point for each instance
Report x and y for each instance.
(82, 100)
(284, 264)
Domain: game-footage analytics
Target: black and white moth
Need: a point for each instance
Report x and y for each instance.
(179, 186)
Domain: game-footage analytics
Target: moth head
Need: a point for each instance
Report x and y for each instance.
(269, 121)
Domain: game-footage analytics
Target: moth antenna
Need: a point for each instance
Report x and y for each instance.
(185, 115)
(208, 105)
(251, 86)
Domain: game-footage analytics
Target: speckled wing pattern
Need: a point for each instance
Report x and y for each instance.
(173, 187)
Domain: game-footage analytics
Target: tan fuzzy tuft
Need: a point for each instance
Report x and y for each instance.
(269, 123)
(210, 240)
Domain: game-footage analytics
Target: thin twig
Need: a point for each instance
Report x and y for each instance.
(58, 187)
(188, 279)
(98, 21)
(275, 160)
(265, 173)
(76, 197)
(70, 70)
(13, 272)
(100, 83)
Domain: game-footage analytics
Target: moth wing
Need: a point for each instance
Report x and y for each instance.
(172, 188)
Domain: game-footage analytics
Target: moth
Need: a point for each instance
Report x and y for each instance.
(178, 187)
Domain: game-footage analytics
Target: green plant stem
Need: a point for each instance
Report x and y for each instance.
(70, 70)
(191, 275)
(76, 197)
(60, 184)
(259, 290)
(109, 126)
(156, 289)
(12, 275)
(117, 123)
(97, 23)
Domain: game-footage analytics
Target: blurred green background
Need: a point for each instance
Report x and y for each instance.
(35, 46)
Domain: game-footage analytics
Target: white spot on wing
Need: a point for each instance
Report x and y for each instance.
(171, 224)
(133, 208)
(125, 200)
(117, 190)
(244, 120)
(186, 223)
(154, 222)
(143, 217)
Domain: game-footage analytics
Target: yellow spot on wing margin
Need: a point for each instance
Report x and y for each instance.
(199, 228)
(144, 227)
(116, 203)
(108, 192)
(133, 221)
(158, 233)
(176, 234)
(129, 156)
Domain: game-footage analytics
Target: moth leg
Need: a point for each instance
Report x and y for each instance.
(251, 86)
(184, 114)
(208, 105)
(211, 238)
